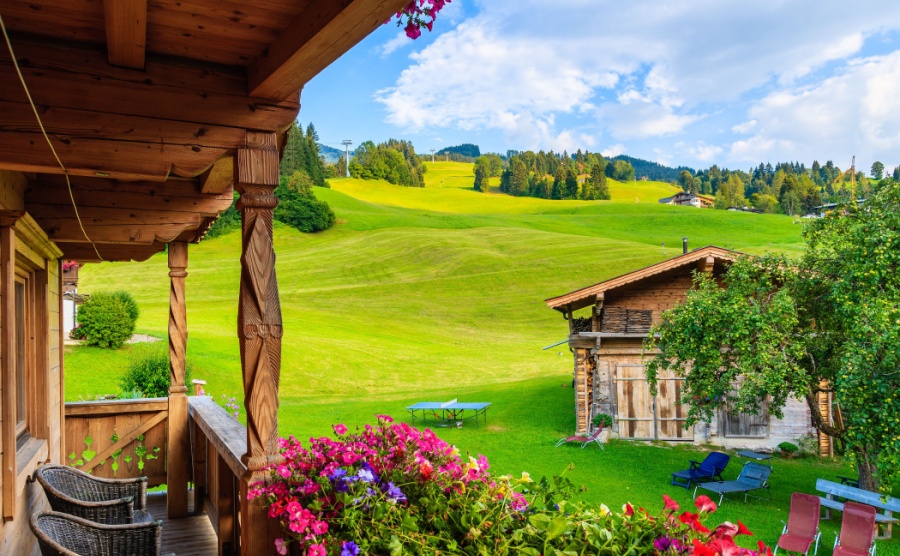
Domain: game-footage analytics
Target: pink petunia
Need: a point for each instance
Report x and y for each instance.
(704, 504)
(340, 429)
(315, 550)
(281, 546)
(669, 503)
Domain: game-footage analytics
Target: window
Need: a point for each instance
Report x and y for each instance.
(21, 374)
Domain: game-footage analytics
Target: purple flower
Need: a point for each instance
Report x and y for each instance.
(349, 548)
(340, 480)
(393, 492)
(663, 543)
(366, 474)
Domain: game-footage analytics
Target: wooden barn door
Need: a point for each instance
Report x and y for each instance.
(640, 415)
(670, 413)
(634, 404)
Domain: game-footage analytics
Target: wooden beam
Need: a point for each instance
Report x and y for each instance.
(84, 252)
(259, 328)
(179, 449)
(126, 32)
(219, 177)
(318, 36)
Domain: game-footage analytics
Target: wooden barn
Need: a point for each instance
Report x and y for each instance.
(125, 125)
(610, 374)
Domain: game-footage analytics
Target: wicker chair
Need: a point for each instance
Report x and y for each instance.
(59, 534)
(106, 501)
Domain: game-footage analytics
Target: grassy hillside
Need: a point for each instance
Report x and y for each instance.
(438, 293)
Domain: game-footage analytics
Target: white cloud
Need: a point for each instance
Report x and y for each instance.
(613, 150)
(856, 112)
(399, 41)
(635, 71)
(744, 127)
(704, 152)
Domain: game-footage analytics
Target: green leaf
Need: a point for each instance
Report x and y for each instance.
(540, 522)
(557, 527)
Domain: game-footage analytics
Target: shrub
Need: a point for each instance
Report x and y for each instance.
(602, 420)
(788, 449)
(107, 320)
(809, 445)
(77, 333)
(392, 489)
(148, 372)
(298, 206)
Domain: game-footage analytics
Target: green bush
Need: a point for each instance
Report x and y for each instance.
(602, 420)
(298, 206)
(148, 372)
(788, 449)
(107, 320)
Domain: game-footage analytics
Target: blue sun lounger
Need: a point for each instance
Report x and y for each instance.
(448, 413)
(754, 476)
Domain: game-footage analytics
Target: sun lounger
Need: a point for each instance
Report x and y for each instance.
(754, 476)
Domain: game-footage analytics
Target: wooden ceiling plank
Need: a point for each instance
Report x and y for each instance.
(318, 36)
(84, 252)
(82, 80)
(28, 152)
(68, 230)
(180, 195)
(126, 32)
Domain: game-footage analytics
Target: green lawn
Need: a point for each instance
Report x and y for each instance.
(436, 293)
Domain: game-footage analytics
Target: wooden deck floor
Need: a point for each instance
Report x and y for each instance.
(190, 536)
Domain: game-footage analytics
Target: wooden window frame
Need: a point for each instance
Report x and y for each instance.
(25, 258)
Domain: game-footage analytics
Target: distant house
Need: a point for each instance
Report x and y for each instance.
(745, 209)
(821, 211)
(688, 199)
(610, 370)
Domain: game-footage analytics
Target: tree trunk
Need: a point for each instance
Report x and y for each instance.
(868, 471)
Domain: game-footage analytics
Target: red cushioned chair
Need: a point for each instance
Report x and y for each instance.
(802, 528)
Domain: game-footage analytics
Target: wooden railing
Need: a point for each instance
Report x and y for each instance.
(218, 441)
(118, 438)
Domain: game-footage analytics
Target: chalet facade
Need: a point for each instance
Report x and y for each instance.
(610, 369)
(131, 125)
(687, 199)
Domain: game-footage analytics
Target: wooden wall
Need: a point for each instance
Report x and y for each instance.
(20, 498)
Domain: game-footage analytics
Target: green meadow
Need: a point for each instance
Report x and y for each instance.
(437, 293)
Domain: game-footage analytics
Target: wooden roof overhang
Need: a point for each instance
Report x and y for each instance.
(147, 103)
(705, 257)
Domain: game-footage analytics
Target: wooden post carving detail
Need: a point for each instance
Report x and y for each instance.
(178, 453)
(259, 324)
(177, 316)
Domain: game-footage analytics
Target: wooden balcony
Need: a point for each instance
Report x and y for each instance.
(125, 432)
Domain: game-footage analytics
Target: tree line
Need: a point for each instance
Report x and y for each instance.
(549, 175)
(394, 161)
(787, 187)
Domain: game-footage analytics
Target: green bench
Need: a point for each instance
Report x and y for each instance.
(885, 504)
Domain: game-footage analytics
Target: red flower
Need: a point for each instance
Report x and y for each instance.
(763, 549)
(742, 529)
(704, 504)
(701, 549)
(629, 509)
(670, 504)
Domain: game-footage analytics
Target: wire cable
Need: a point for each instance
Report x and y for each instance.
(65, 171)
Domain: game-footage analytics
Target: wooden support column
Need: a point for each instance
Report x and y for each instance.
(259, 329)
(8, 366)
(179, 450)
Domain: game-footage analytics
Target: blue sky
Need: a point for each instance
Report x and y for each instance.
(694, 82)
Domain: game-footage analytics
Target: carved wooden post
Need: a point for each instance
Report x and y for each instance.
(179, 441)
(259, 329)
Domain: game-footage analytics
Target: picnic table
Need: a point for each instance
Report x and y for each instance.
(886, 504)
(445, 414)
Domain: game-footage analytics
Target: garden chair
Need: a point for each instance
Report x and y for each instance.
(60, 534)
(594, 437)
(107, 501)
(754, 476)
(802, 528)
(711, 468)
(857, 536)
